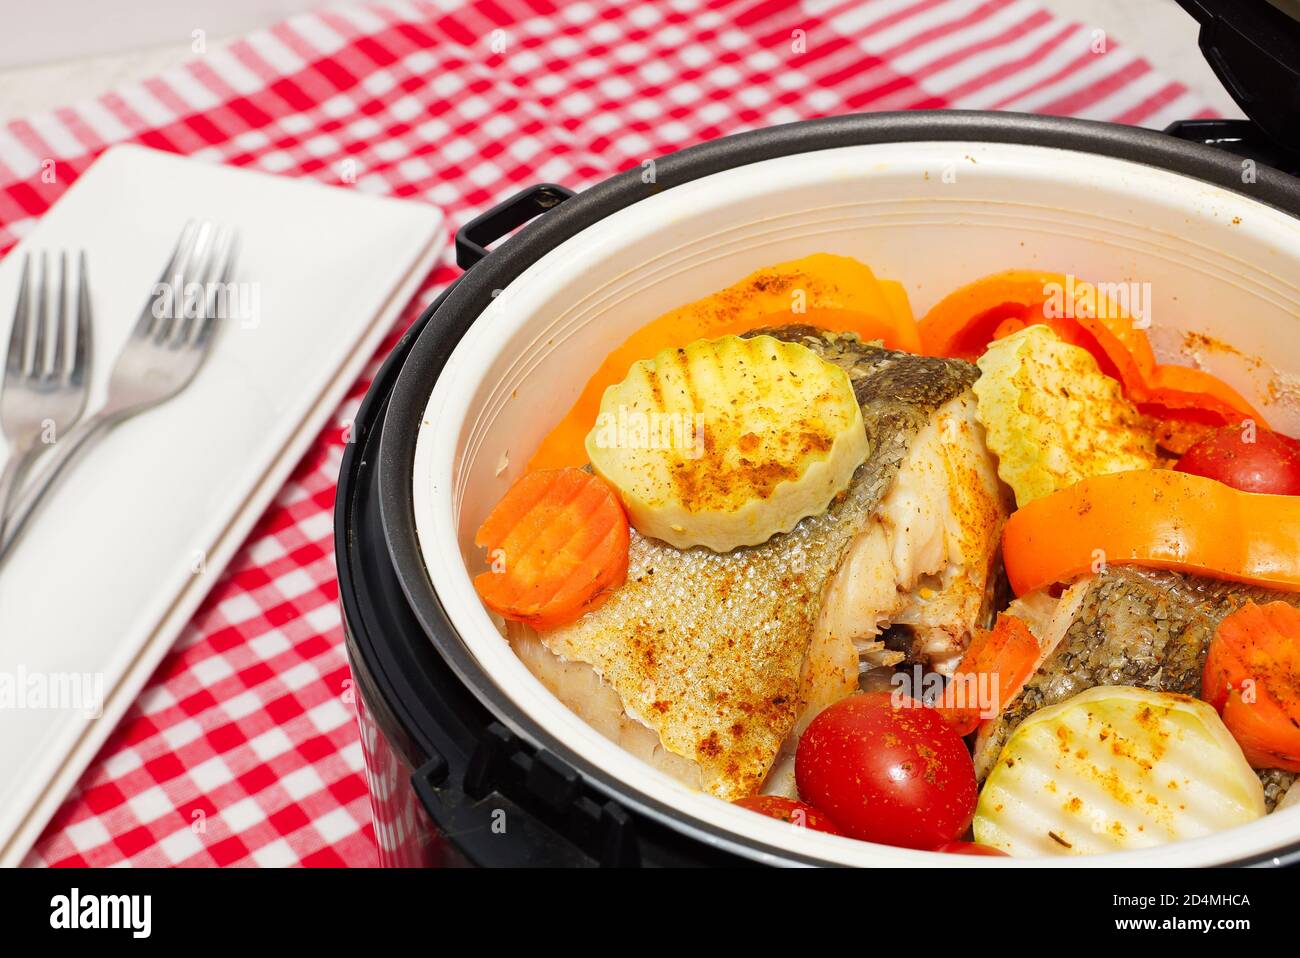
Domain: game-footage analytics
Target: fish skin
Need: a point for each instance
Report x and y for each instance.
(1277, 782)
(707, 649)
(1142, 627)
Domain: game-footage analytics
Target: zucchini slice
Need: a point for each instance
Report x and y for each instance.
(726, 442)
(1116, 768)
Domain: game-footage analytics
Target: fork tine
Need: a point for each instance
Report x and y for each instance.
(184, 276)
(225, 268)
(199, 272)
(81, 345)
(180, 253)
(215, 270)
(16, 360)
(42, 317)
(186, 273)
(58, 369)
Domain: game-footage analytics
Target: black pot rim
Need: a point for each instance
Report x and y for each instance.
(473, 292)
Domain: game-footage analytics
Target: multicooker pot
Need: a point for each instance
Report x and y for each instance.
(470, 759)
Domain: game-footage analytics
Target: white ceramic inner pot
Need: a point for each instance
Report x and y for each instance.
(932, 215)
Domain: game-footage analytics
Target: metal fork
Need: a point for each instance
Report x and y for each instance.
(43, 394)
(165, 349)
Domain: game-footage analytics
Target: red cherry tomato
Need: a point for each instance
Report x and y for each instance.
(788, 810)
(898, 776)
(971, 848)
(1262, 461)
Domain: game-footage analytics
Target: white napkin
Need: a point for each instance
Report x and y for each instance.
(120, 555)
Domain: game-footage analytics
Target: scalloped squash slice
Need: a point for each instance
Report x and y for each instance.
(1052, 417)
(830, 292)
(726, 442)
(1116, 768)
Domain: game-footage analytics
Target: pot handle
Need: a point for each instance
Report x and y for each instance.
(473, 238)
(515, 806)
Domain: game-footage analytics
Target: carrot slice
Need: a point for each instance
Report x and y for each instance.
(557, 546)
(1252, 676)
(991, 673)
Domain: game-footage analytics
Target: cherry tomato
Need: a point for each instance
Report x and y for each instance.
(1270, 463)
(971, 848)
(898, 776)
(788, 810)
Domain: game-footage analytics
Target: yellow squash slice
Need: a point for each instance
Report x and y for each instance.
(1052, 417)
(1116, 768)
(726, 442)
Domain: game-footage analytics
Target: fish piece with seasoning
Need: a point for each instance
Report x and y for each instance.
(705, 663)
(1130, 626)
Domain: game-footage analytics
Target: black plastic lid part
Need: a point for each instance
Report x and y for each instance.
(1253, 47)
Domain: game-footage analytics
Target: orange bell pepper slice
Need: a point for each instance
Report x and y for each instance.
(966, 321)
(1182, 389)
(962, 324)
(1252, 676)
(1156, 518)
(836, 293)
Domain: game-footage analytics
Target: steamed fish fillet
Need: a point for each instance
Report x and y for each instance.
(925, 563)
(596, 703)
(1127, 626)
(711, 651)
(924, 567)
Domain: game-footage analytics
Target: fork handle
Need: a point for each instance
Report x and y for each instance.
(20, 458)
(74, 441)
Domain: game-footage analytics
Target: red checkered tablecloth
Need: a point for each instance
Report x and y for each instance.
(246, 727)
